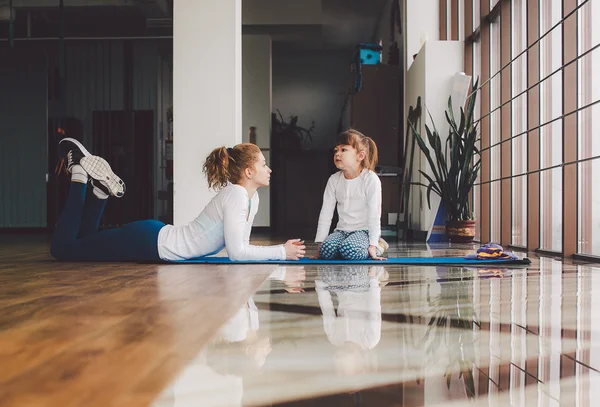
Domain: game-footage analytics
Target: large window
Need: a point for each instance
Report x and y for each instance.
(553, 102)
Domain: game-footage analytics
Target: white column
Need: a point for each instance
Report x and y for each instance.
(207, 94)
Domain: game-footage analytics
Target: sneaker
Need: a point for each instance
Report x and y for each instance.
(96, 167)
(102, 175)
(382, 246)
(99, 189)
(73, 151)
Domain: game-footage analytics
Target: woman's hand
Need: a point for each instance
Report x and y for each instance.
(294, 249)
(373, 253)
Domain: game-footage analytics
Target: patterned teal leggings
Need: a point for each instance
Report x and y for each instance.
(346, 245)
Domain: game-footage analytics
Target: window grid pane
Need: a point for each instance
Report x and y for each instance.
(519, 124)
(461, 20)
(495, 130)
(551, 99)
(476, 14)
(476, 116)
(588, 129)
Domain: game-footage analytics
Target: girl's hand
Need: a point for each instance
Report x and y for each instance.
(317, 256)
(373, 253)
(294, 249)
(294, 278)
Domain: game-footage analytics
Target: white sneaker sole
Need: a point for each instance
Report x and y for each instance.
(98, 169)
(78, 144)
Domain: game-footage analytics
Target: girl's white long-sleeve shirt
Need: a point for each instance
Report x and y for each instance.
(358, 316)
(225, 222)
(358, 203)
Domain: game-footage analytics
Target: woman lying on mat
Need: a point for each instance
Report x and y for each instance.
(225, 222)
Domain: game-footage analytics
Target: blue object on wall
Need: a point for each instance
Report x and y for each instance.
(365, 54)
(369, 56)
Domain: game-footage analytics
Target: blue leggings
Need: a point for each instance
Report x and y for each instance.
(346, 245)
(76, 237)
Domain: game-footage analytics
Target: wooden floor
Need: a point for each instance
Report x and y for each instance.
(123, 334)
(90, 334)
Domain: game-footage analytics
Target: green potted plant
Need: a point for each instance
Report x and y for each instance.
(455, 165)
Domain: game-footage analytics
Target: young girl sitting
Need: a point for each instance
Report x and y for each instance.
(356, 190)
(225, 222)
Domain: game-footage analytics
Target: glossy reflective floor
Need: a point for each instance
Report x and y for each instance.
(198, 335)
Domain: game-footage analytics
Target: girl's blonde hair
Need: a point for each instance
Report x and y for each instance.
(360, 142)
(224, 165)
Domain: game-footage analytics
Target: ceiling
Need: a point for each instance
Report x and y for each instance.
(310, 24)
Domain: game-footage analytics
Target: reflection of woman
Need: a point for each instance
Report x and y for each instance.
(236, 351)
(356, 326)
(238, 348)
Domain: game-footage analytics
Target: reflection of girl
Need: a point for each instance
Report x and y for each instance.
(356, 326)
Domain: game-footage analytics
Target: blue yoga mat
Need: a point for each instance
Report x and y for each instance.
(421, 261)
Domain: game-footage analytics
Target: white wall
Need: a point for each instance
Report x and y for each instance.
(256, 105)
(434, 82)
(207, 94)
(312, 85)
(415, 87)
(422, 24)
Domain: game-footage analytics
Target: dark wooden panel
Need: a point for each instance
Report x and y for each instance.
(297, 184)
(570, 130)
(443, 18)
(375, 110)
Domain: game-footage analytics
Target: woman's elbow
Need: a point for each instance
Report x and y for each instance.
(236, 254)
